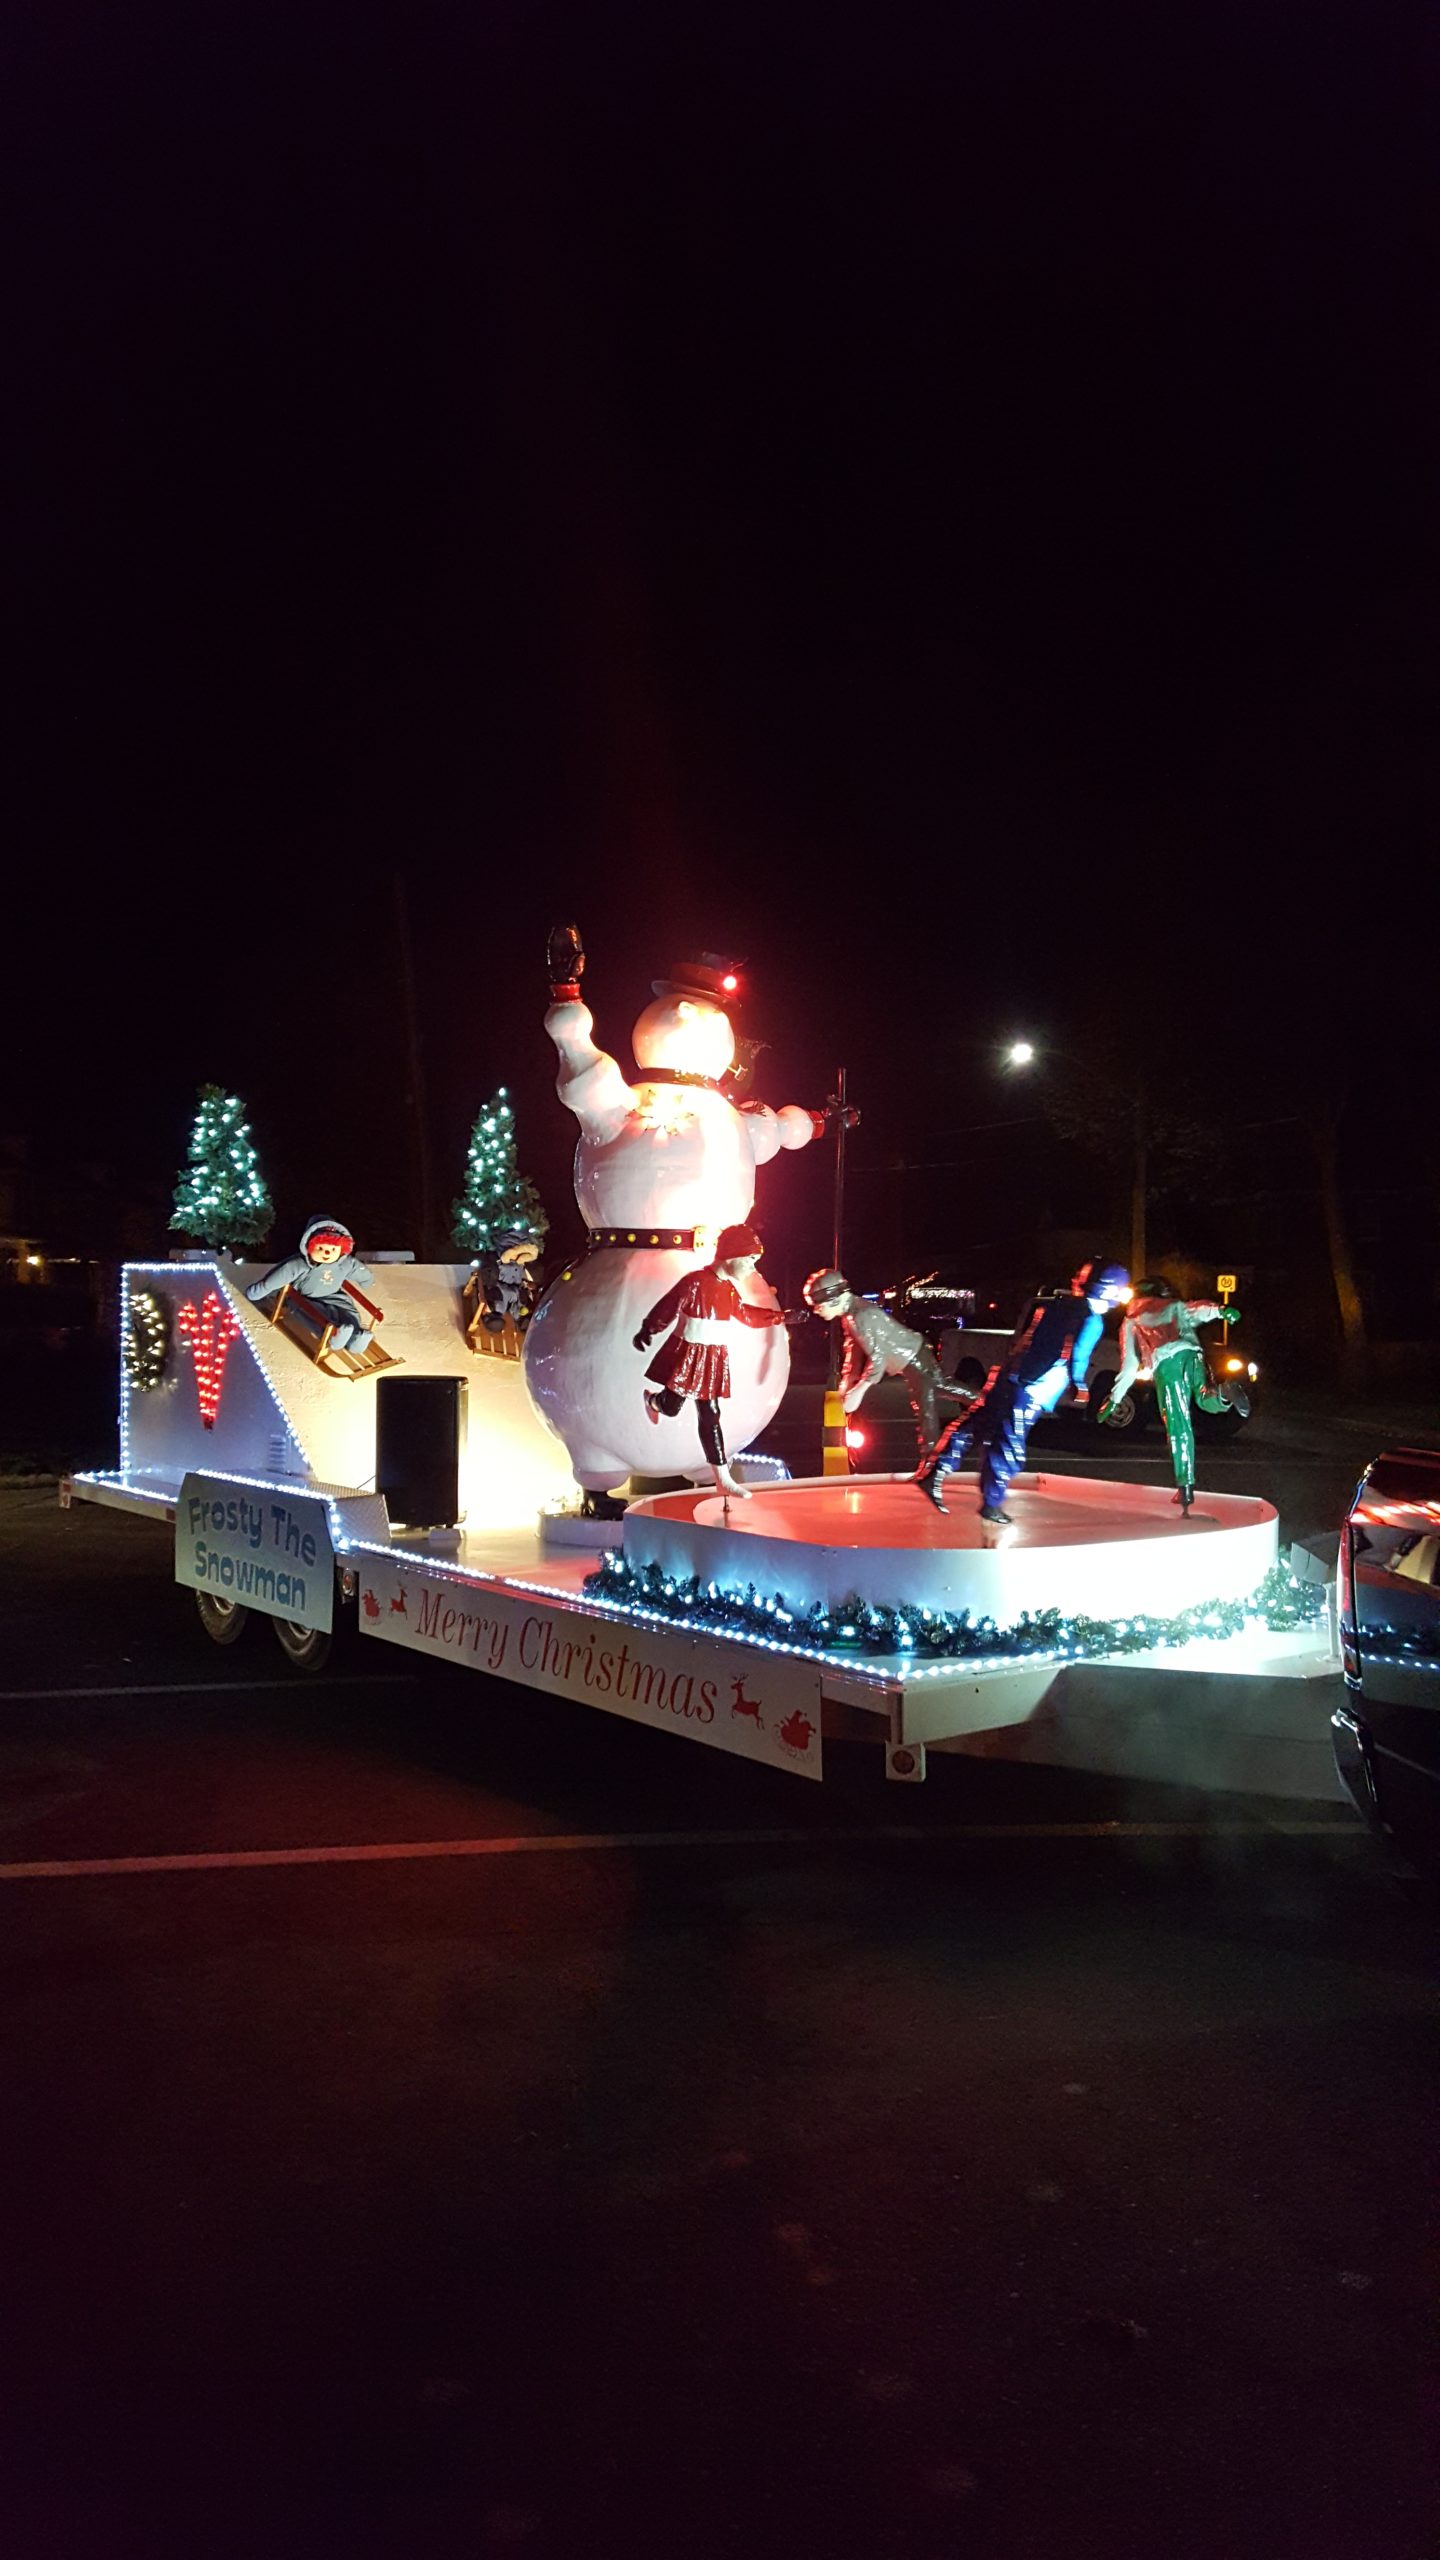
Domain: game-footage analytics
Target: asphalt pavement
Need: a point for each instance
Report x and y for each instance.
(583, 2144)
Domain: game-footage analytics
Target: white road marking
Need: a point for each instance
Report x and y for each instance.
(214, 1688)
(594, 1843)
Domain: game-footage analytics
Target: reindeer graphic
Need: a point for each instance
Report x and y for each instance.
(743, 1706)
(398, 1608)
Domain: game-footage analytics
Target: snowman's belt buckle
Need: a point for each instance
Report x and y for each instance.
(643, 1239)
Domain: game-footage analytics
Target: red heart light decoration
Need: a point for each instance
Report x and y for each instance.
(208, 1330)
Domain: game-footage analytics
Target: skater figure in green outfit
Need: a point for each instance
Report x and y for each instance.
(1159, 1334)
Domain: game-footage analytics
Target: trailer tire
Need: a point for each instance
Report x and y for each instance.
(305, 1648)
(224, 1621)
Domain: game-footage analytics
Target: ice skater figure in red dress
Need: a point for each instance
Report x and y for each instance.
(695, 1362)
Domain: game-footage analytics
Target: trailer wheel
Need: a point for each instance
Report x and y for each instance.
(304, 1648)
(224, 1621)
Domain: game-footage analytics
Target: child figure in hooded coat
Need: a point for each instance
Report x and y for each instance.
(319, 1274)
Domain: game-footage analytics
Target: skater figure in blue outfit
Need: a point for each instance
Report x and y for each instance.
(1050, 1352)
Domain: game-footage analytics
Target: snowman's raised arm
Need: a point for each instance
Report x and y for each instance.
(789, 1127)
(589, 1083)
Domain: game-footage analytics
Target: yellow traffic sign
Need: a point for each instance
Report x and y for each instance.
(1225, 1283)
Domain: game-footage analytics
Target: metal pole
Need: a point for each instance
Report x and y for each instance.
(839, 1169)
(836, 1330)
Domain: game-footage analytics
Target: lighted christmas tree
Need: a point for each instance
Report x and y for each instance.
(221, 1196)
(499, 1200)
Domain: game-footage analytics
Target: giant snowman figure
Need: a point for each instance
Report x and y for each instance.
(662, 1165)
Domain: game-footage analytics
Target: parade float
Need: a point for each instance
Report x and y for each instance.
(415, 1452)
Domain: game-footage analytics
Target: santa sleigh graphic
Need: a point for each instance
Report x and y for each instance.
(797, 1732)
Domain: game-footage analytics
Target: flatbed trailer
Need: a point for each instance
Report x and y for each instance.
(271, 1499)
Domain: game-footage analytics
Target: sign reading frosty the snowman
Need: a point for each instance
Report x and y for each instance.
(260, 1548)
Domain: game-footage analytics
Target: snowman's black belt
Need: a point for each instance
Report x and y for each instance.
(643, 1239)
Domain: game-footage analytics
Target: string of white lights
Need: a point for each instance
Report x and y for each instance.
(106, 1479)
(177, 1272)
(875, 1671)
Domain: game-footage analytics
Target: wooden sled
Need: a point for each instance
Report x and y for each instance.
(504, 1344)
(314, 1335)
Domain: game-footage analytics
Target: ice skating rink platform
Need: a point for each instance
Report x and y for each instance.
(1074, 1543)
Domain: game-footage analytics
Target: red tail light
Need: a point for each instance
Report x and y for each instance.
(1345, 1605)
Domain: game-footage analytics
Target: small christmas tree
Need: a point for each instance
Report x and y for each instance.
(499, 1200)
(221, 1196)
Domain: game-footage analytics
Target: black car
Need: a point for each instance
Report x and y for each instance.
(1387, 1735)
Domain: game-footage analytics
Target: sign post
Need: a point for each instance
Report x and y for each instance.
(1225, 1283)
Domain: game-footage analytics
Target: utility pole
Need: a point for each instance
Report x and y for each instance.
(845, 1117)
(1139, 1184)
(841, 1124)
(423, 1195)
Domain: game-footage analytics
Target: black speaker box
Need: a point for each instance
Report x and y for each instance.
(418, 1428)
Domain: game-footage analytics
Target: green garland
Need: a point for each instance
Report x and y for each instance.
(862, 1626)
(146, 1346)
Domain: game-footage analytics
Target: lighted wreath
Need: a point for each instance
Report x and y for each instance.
(147, 1339)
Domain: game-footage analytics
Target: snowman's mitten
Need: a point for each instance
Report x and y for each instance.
(565, 956)
(797, 1126)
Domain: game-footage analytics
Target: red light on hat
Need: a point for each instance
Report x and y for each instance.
(729, 982)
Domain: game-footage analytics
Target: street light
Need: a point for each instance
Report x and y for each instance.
(1021, 1053)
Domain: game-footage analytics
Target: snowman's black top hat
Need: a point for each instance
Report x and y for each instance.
(711, 975)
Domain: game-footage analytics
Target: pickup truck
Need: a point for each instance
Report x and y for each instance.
(1387, 1733)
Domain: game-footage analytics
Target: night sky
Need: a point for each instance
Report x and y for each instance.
(938, 503)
